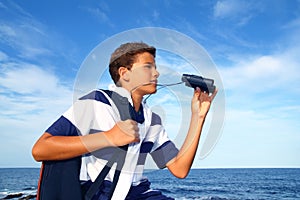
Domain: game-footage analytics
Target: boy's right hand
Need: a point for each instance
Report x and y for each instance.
(123, 132)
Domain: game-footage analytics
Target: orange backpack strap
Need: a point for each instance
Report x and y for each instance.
(40, 180)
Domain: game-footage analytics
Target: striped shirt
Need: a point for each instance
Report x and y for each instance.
(96, 112)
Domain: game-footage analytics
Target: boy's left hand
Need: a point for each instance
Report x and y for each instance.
(201, 102)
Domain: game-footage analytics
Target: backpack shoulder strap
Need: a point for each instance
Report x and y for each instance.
(119, 155)
(122, 104)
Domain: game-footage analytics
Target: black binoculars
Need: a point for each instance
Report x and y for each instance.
(205, 84)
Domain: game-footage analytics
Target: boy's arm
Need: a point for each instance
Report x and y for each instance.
(181, 164)
(49, 147)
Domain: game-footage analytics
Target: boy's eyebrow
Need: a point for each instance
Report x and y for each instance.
(149, 63)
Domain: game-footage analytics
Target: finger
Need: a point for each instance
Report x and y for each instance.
(130, 121)
(131, 124)
(197, 93)
(136, 137)
(136, 140)
(214, 94)
(203, 93)
(136, 129)
(134, 123)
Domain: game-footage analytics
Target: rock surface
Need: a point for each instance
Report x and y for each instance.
(20, 196)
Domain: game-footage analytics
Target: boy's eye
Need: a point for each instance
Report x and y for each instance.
(150, 66)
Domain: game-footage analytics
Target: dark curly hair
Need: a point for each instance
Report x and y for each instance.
(125, 55)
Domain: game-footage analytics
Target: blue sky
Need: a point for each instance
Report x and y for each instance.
(255, 46)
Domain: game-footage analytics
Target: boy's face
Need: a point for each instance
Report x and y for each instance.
(143, 74)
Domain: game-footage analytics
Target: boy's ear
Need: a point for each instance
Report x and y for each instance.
(123, 72)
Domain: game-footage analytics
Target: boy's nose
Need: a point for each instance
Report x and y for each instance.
(156, 73)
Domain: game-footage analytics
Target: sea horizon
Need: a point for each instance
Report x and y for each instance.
(237, 167)
(201, 183)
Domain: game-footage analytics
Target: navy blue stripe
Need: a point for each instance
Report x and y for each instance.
(164, 154)
(94, 131)
(105, 153)
(141, 191)
(63, 127)
(155, 119)
(96, 95)
(145, 149)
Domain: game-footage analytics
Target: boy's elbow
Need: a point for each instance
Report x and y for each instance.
(178, 172)
(181, 174)
(36, 153)
(39, 149)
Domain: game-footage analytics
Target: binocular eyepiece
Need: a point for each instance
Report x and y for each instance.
(205, 84)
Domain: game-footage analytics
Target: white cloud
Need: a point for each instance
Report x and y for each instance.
(28, 92)
(241, 11)
(7, 31)
(27, 38)
(3, 56)
(155, 15)
(100, 12)
(26, 78)
(262, 109)
(225, 8)
(31, 98)
(2, 5)
(295, 23)
(263, 73)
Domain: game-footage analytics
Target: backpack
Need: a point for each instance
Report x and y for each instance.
(60, 179)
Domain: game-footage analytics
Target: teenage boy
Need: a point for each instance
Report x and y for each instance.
(92, 128)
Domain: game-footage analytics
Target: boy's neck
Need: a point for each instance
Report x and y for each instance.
(136, 100)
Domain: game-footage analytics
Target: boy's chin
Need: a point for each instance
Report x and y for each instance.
(150, 90)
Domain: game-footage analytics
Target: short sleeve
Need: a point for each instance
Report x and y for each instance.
(163, 149)
(164, 154)
(62, 127)
(81, 117)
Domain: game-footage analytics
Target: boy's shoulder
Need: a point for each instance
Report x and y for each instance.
(98, 95)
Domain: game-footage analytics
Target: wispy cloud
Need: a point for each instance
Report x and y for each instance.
(27, 82)
(23, 34)
(261, 73)
(3, 56)
(27, 88)
(226, 8)
(240, 11)
(295, 23)
(27, 38)
(100, 12)
(31, 99)
(262, 93)
(32, 92)
(262, 102)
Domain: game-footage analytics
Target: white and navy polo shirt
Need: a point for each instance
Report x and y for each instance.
(96, 112)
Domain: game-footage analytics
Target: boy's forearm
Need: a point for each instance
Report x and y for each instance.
(50, 147)
(182, 163)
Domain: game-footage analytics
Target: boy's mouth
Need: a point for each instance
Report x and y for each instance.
(153, 82)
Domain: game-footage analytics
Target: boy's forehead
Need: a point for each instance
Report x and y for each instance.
(145, 57)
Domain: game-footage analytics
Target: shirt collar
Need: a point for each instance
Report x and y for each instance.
(137, 116)
(121, 91)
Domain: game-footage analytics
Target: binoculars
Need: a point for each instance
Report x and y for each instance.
(205, 84)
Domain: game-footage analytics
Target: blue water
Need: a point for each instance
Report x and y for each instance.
(203, 184)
